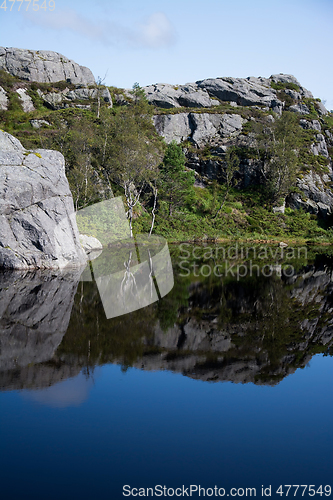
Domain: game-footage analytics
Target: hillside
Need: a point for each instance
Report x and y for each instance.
(254, 158)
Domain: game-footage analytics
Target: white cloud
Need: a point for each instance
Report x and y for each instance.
(70, 392)
(156, 32)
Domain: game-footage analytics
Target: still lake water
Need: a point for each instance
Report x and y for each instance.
(225, 381)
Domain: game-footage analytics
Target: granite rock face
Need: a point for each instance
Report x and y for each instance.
(316, 198)
(250, 91)
(200, 128)
(171, 96)
(37, 220)
(243, 91)
(43, 66)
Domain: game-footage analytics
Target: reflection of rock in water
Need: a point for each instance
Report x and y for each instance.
(37, 376)
(252, 330)
(270, 332)
(35, 310)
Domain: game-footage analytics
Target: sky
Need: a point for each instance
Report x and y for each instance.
(180, 41)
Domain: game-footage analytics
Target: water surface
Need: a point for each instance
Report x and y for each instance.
(225, 381)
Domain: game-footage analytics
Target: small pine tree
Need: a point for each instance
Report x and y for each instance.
(176, 184)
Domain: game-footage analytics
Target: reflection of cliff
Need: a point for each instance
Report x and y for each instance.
(35, 310)
(249, 331)
(253, 330)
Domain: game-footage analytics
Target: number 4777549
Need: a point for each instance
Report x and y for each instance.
(304, 490)
(50, 5)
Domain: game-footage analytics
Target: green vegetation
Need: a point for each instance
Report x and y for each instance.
(117, 152)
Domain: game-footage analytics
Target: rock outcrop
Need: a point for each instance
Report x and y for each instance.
(211, 92)
(37, 220)
(43, 66)
(317, 198)
(201, 128)
(243, 91)
(68, 98)
(171, 96)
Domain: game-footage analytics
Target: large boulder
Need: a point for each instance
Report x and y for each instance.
(37, 220)
(43, 66)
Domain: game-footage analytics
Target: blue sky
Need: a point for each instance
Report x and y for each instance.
(182, 41)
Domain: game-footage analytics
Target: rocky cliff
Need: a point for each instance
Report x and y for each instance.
(215, 114)
(43, 66)
(37, 220)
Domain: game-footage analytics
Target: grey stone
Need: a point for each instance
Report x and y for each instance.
(53, 100)
(299, 108)
(316, 196)
(26, 101)
(245, 92)
(80, 93)
(39, 123)
(106, 96)
(120, 100)
(321, 108)
(58, 100)
(173, 127)
(3, 100)
(10, 143)
(279, 210)
(204, 128)
(324, 209)
(35, 309)
(37, 220)
(297, 96)
(310, 125)
(320, 148)
(291, 79)
(170, 96)
(329, 135)
(89, 243)
(43, 66)
(283, 78)
(199, 127)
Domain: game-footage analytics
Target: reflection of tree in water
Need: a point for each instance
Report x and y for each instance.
(128, 287)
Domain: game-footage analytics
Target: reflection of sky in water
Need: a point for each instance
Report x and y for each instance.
(70, 392)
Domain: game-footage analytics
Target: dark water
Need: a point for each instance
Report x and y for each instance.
(225, 381)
